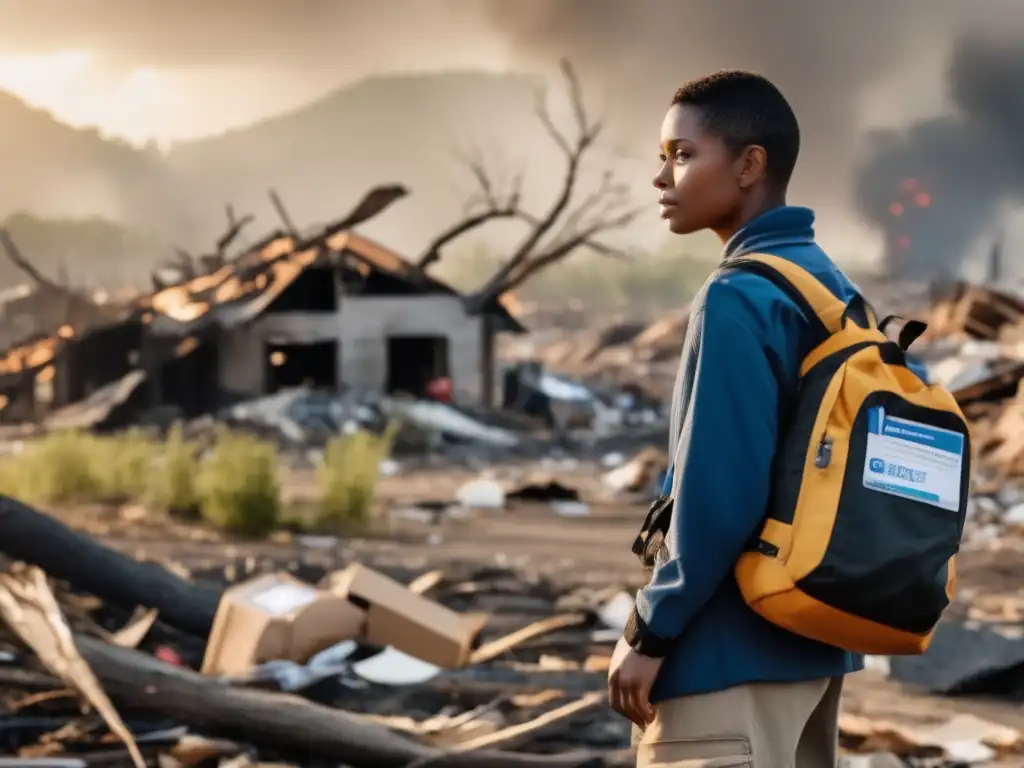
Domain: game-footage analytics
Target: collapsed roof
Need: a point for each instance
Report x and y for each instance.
(240, 291)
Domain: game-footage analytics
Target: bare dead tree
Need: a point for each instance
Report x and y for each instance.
(562, 228)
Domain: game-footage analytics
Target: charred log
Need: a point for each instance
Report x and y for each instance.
(38, 539)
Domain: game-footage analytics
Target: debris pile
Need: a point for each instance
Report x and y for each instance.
(636, 357)
(337, 662)
(975, 347)
(316, 656)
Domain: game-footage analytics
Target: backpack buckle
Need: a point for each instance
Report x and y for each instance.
(652, 533)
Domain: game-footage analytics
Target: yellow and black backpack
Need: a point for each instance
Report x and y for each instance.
(870, 485)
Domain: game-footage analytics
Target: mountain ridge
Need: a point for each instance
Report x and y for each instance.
(321, 158)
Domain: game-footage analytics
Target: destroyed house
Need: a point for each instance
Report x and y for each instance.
(351, 314)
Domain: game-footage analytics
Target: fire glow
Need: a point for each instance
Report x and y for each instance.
(912, 194)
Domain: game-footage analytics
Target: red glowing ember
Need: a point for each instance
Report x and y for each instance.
(909, 185)
(896, 209)
(903, 242)
(922, 199)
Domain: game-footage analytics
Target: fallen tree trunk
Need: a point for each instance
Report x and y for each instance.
(38, 539)
(289, 723)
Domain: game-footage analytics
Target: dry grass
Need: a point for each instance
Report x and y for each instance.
(235, 486)
(349, 476)
(238, 487)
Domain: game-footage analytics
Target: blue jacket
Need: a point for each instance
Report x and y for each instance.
(741, 360)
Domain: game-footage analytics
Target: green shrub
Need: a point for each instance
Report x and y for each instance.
(123, 465)
(59, 468)
(75, 467)
(238, 486)
(173, 486)
(349, 475)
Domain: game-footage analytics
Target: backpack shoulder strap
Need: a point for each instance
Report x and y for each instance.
(817, 301)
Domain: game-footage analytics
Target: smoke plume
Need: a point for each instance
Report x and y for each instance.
(942, 184)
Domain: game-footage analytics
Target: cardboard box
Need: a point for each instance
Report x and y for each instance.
(413, 624)
(276, 616)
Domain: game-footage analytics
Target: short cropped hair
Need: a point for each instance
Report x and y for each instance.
(744, 108)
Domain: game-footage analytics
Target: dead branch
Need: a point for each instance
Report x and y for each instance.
(574, 232)
(235, 227)
(587, 132)
(560, 250)
(373, 203)
(487, 208)
(599, 212)
(597, 246)
(282, 213)
(19, 261)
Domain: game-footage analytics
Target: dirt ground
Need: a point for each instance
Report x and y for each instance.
(593, 549)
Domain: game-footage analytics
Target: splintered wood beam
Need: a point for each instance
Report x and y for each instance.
(290, 723)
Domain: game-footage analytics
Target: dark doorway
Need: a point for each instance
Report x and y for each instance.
(301, 365)
(413, 361)
(189, 379)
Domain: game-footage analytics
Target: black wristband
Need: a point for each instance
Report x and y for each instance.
(640, 638)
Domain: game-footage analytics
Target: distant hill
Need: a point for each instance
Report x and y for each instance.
(54, 170)
(405, 129)
(320, 158)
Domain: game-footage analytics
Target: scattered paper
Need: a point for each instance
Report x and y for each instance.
(392, 667)
(481, 494)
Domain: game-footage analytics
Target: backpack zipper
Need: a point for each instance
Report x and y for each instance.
(823, 456)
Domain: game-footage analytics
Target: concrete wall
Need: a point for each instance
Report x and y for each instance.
(361, 328)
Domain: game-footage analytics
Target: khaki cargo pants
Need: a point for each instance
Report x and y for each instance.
(761, 725)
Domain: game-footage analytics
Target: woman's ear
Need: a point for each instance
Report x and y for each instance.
(753, 165)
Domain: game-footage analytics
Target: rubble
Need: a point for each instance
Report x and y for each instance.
(481, 493)
(326, 652)
(529, 692)
(963, 739)
(639, 475)
(147, 690)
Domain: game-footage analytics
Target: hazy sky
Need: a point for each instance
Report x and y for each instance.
(174, 69)
(181, 68)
